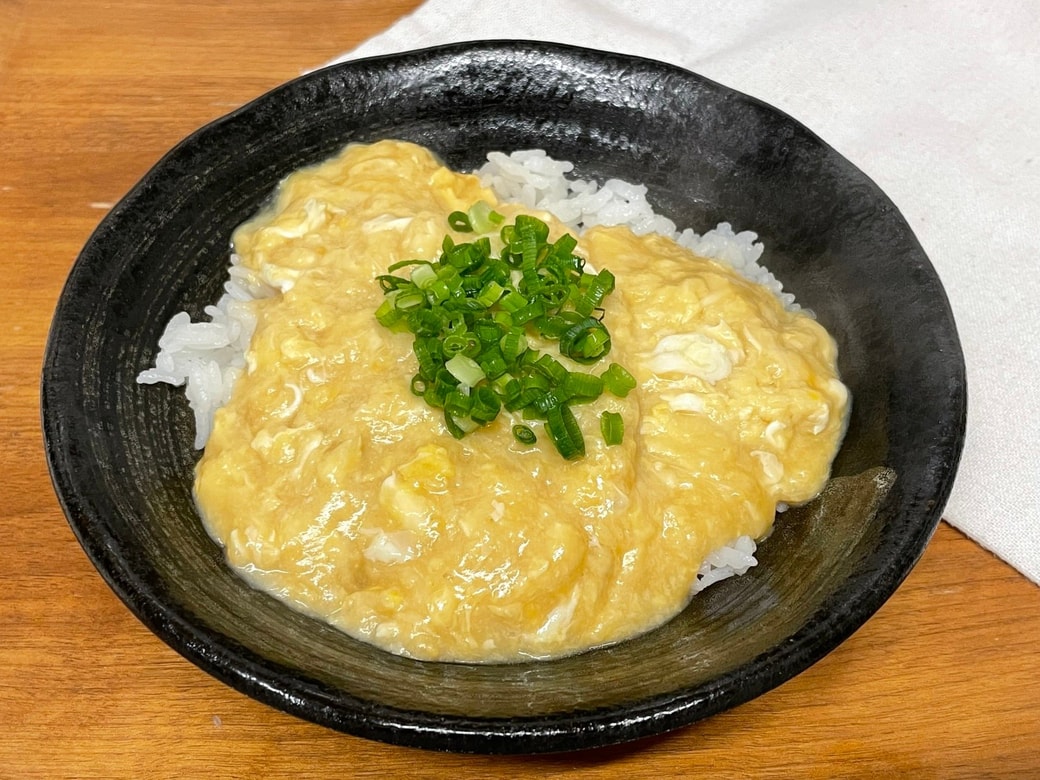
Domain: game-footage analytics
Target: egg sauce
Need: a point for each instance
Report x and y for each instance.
(333, 487)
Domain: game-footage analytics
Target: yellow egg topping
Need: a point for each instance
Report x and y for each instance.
(338, 490)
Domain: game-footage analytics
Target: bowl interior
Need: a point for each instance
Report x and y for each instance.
(121, 455)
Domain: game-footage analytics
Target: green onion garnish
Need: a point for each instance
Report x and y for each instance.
(524, 434)
(460, 222)
(465, 369)
(617, 380)
(612, 426)
(472, 311)
(564, 431)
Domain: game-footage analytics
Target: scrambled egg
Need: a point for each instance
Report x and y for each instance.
(334, 488)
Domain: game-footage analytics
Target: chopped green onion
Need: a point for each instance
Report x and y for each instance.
(489, 332)
(405, 264)
(461, 344)
(507, 386)
(543, 402)
(408, 299)
(436, 394)
(424, 354)
(471, 313)
(493, 364)
(577, 383)
(388, 314)
(564, 432)
(486, 404)
(531, 311)
(483, 218)
(601, 286)
(551, 368)
(617, 380)
(526, 224)
(524, 434)
(423, 275)
(465, 369)
(586, 341)
(612, 426)
(490, 293)
(457, 403)
(458, 426)
(513, 344)
(459, 222)
(513, 302)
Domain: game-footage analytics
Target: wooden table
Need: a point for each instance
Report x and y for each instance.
(943, 682)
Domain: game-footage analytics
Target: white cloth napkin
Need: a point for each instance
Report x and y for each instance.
(938, 102)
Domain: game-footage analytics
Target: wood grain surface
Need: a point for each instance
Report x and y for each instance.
(943, 682)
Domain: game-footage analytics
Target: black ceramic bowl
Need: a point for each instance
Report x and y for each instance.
(121, 454)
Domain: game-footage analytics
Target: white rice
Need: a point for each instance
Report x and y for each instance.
(731, 561)
(207, 357)
(537, 181)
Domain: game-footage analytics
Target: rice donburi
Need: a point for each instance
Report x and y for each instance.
(333, 486)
